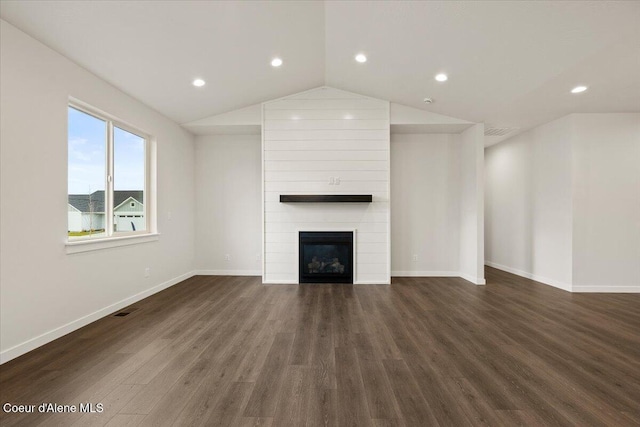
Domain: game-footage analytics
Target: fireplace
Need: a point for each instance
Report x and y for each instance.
(326, 257)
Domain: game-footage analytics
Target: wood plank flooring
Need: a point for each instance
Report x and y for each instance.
(228, 351)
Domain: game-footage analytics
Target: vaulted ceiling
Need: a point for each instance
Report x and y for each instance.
(510, 64)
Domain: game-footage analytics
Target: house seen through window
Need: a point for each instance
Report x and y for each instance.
(107, 177)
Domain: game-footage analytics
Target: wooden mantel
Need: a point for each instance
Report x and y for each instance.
(326, 198)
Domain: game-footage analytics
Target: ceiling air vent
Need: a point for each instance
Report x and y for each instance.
(499, 131)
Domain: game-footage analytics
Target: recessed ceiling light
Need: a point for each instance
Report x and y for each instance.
(198, 83)
(578, 89)
(442, 77)
(361, 58)
(276, 62)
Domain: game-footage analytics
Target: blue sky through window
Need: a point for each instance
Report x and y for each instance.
(87, 152)
(128, 160)
(87, 155)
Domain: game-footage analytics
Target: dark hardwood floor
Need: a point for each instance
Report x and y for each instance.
(229, 351)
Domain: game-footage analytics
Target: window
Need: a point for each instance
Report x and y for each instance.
(108, 177)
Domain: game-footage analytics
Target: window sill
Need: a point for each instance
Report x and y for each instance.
(111, 242)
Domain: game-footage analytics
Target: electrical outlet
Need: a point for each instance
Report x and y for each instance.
(258, 257)
(337, 180)
(332, 180)
(415, 257)
(169, 216)
(227, 257)
(147, 272)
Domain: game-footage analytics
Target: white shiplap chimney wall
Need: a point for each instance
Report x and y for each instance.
(308, 139)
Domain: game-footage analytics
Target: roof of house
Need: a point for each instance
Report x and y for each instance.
(81, 201)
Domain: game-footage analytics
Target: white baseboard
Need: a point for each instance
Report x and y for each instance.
(228, 272)
(474, 280)
(412, 273)
(295, 282)
(543, 280)
(279, 282)
(33, 343)
(372, 282)
(608, 289)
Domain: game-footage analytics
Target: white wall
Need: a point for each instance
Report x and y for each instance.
(606, 202)
(308, 138)
(425, 207)
(528, 204)
(229, 204)
(472, 204)
(563, 203)
(45, 293)
(425, 204)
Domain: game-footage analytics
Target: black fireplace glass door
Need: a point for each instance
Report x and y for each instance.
(326, 257)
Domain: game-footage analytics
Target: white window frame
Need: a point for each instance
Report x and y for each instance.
(118, 238)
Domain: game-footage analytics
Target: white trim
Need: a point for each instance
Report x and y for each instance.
(474, 280)
(389, 196)
(407, 273)
(295, 282)
(608, 289)
(33, 343)
(228, 273)
(469, 278)
(77, 246)
(263, 243)
(109, 185)
(282, 98)
(287, 96)
(104, 116)
(280, 282)
(544, 280)
(368, 282)
(151, 185)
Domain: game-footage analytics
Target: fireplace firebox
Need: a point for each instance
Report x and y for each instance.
(326, 257)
